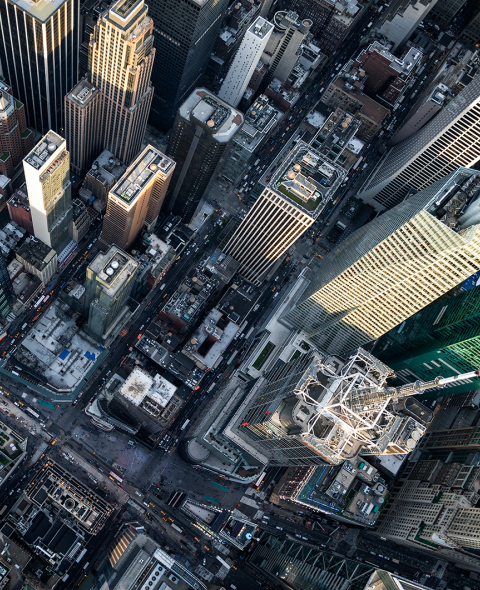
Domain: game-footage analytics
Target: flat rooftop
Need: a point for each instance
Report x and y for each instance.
(36, 253)
(307, 178)
(113, 268)
(260, 119)
(44, 150)
(83, 93)
(260, 27)
(150, 163)
(41, 10)
(205, 107)
(140, 385)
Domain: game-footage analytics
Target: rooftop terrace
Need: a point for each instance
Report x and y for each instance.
(307, 178)
(45, 149)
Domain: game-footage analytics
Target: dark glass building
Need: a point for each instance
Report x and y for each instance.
(39, 56)
(185, 32)
(204, 128)
(7, 296)
(441, 340)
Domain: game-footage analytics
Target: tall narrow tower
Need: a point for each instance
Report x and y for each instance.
(39, 56)
(47, 174)
(245, 60)
(204, 128)
(120, 63)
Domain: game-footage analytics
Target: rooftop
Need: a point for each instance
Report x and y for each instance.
(36, 253)
(307, 178)
(260, 27)
(140, 385)
(217, 115)
(45, 150)
(41, 10)
(370, 108)
(83, 93)
(260, 119)
(335, 135)
(113, 268)
(150, 164)
(107, 169)
(212, 338)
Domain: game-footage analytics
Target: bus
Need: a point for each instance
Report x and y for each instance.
(114, 475)
(177, 528)
(185, 424)
(2, 336)
(32, 413)
(260, 479)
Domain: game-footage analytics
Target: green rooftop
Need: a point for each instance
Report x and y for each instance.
(26, 133)
(4, 157)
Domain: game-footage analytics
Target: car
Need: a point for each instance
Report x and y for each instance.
(276, 295)
(279, 528)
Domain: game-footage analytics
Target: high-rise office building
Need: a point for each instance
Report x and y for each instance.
(450, 140)
(331, 20)
(283, 47)
(83, 132)
(392, 267)
(297, 193)
(185, 33)
(445, 10)
(440, 340)
(47, 176)
(471, 33)
(316, 411)
(120, 62)
(245, 61)
(203, 130)
(110, 278)
(401, 18)
(39, 56)
(136, 199)
(16, 140)
(453, 439)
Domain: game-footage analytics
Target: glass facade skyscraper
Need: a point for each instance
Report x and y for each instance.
(393, 267)
(440, 340)
(39, 44)
(185, 32)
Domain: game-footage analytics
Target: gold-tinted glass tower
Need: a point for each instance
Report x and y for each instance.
(120, 62)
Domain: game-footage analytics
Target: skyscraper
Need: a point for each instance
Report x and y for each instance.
(283, 47)
(39, 56)
(47, 175)
(392, 267)
(244, 62)
(401, 18)
(204, 128)
(450, 140)
(109, 281)
(326, 410)
(439, 340)
(187, 30)
(15, 138)
(120, 62)
(83, 131)
(297, 193)
(136, 199)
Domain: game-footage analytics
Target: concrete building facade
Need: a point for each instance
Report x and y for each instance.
(47, 176)
(83, 111)
(401, 18)
(450, 140)
(120, 62)
(136, 199)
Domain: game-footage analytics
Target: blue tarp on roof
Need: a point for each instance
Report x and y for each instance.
(64, 354)
(102, 348)
(90, 356)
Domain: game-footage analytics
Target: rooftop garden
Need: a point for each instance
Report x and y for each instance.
(310, 205)
(4, 157)
(26, 133)
(262, 357)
